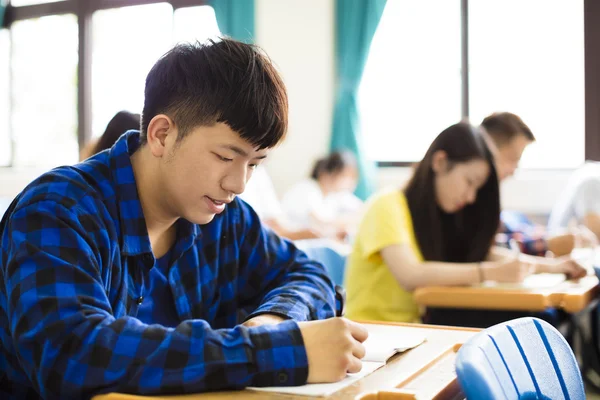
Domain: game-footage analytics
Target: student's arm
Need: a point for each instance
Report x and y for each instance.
(560, 265)
(411, 273)
(71, 345)
(282, 231)
(386, 231)
(279, 278)
(592, 221)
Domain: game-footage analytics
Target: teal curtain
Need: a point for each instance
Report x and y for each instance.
(355, 24)
(2, 8)
(235, 18)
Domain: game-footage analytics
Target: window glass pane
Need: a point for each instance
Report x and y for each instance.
(195, 23)
(4, 97)
(127, 42)
(44, 107)
(411, 87)
(527, 57)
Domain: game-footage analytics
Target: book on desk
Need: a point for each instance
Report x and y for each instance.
(381, 345)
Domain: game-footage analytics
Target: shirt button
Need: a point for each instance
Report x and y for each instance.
(282, 377)
(140, 300)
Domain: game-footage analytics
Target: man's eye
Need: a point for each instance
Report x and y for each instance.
(223, 158)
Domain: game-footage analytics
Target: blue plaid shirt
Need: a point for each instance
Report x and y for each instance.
(74, 269)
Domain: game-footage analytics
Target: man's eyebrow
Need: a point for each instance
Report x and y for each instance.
(240, 151)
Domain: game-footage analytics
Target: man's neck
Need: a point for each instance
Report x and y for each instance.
(160, 219)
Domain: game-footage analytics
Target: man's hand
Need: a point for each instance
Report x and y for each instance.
(333, 347)
(263, 319)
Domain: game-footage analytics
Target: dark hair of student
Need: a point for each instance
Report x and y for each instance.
(504, 126)
(332, 164)
(464, 236)
(118, 125)
(200, 84)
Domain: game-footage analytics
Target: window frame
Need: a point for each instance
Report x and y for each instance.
(83, 10)
(591, 79)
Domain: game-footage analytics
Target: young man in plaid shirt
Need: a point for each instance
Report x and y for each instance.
(140, 271)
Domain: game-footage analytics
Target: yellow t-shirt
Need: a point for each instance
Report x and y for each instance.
(372, 291)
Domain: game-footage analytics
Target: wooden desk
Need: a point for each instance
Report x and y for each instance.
(569, 296)
(424, 372)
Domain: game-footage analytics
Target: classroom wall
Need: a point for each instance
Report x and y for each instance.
(298, 36)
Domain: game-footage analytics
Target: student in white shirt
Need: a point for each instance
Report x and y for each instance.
(326, 202)
(579, 203)
(261, 196)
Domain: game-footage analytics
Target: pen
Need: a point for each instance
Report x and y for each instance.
(514, 246)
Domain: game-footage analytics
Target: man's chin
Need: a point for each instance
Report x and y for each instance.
(201, 218)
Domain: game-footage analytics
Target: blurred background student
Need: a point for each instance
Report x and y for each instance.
(325, 202)
(118, 125)
(261, 196)
(509, 137)
(437, 231)
(579, 203)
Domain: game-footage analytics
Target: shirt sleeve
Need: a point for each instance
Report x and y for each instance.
(70, 344)
(302, 200)
(587, 198)
(386, 222)
(278, 278)
(534, 245)
(261, 195)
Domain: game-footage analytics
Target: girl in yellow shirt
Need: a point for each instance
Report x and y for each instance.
(437, 231)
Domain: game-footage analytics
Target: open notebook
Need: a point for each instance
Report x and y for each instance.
(383, 343)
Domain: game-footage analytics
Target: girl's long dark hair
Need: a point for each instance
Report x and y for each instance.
(118, 125)
(464, 236)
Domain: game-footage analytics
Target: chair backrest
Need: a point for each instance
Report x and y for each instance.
(525, 358)
(332, 260)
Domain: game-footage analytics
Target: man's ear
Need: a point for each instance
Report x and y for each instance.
(159, 128)
(439, 162)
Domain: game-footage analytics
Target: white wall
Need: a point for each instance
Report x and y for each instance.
(298, 36)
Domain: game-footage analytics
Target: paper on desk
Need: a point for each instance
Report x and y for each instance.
(325, 389)
(383, 342)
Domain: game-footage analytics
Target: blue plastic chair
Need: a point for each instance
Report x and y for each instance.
(332, 260)
(525, 358)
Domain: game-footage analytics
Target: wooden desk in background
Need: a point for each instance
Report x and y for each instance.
(571, 297)
(425, 372)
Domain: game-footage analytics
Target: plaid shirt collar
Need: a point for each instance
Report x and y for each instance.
(135, 240)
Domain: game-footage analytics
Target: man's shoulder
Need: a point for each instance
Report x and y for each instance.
(69, 186)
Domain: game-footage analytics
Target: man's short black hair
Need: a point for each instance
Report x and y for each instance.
(200, 84)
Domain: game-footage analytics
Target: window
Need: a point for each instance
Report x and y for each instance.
(526, 57)
(44, 88)
(411, 84)
(534, 69)
(127, 42)
(195, 23)
(40, 69)
(5, 152)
